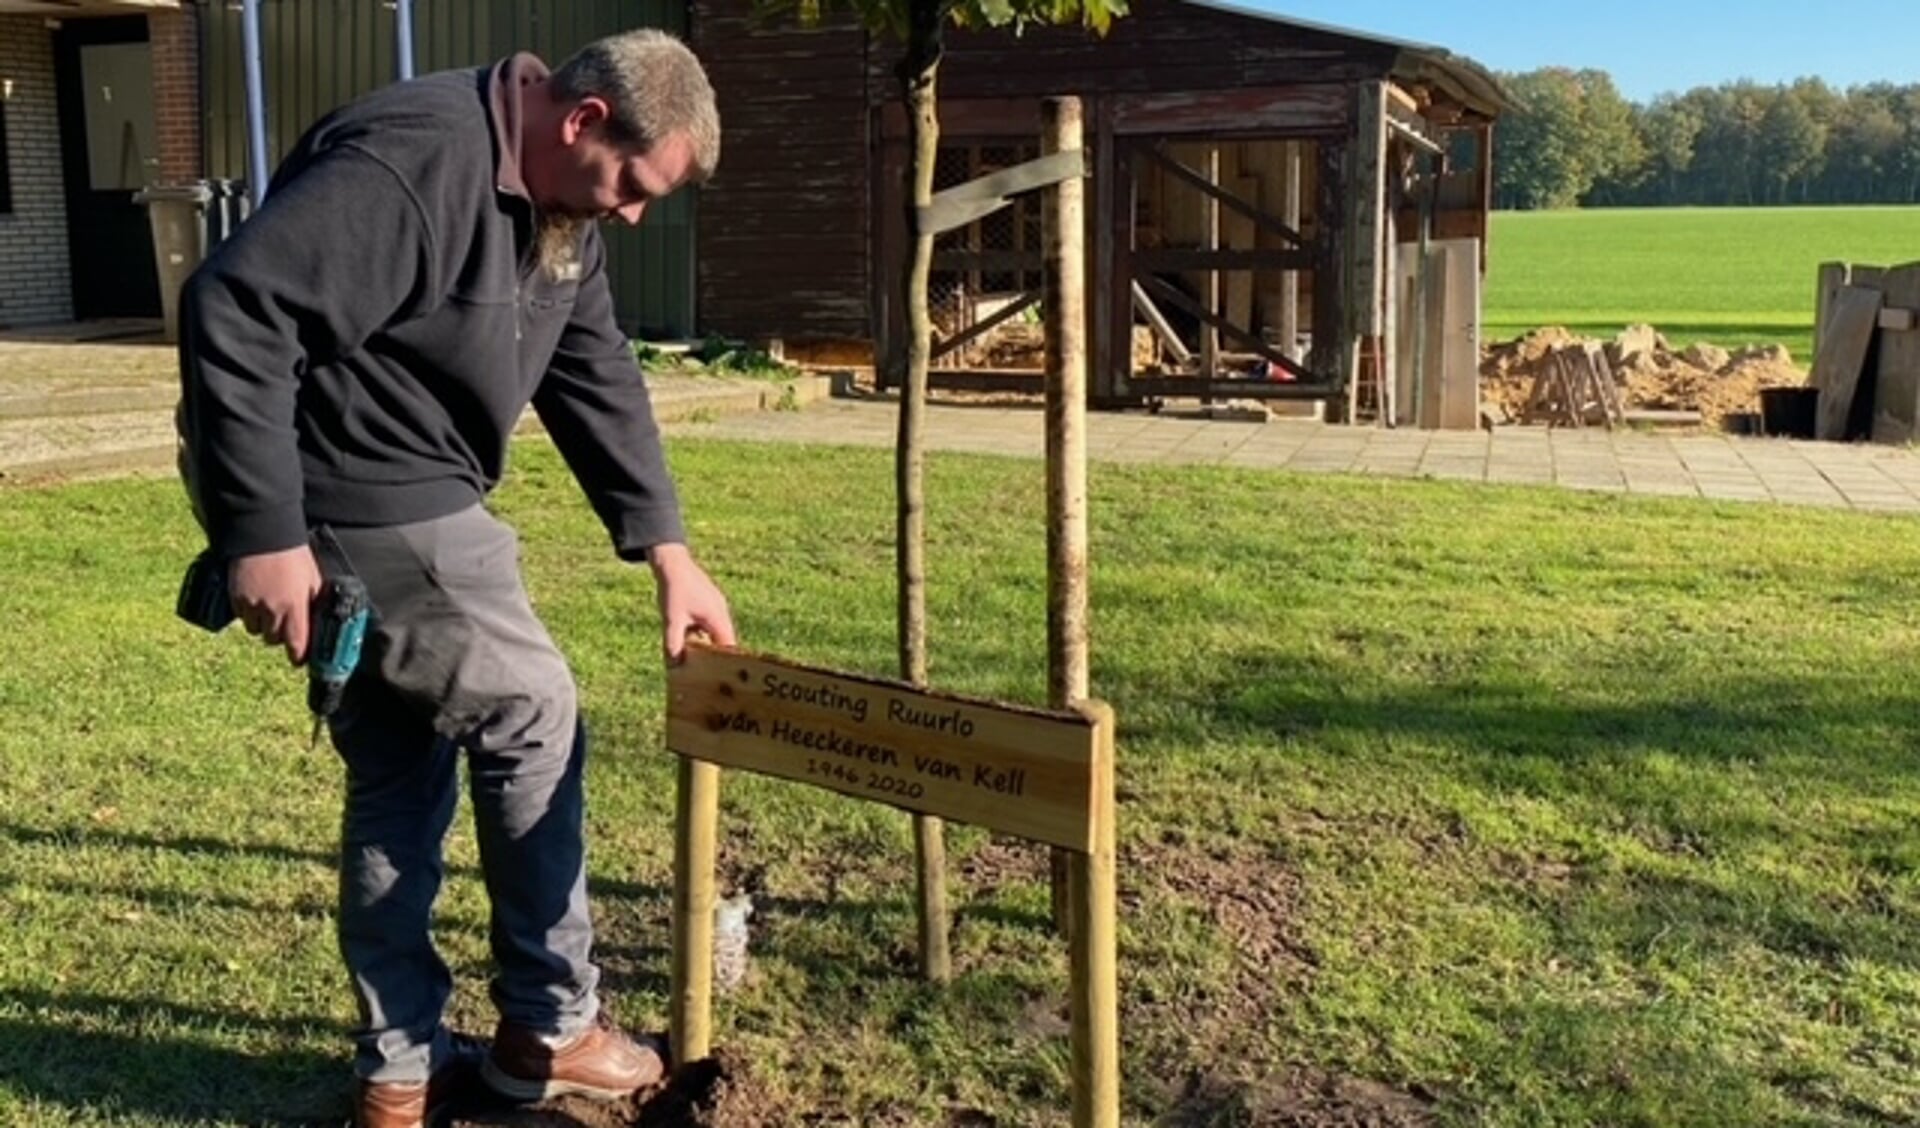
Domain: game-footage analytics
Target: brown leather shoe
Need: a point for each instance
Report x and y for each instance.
(600, 1063)
(418, 1104)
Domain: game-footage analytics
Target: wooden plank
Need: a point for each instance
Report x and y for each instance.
(1898, 374)
(966, 203)
(1294, 109)
(1833, 275)
(1331, 348)
(1659, 417)
(1290, 199)
(1210, 234)
(1176, 386)
(1842, 356)
(1388, 389)
(1458, 280)
(1237, 233)
(1094, 952)
(1409, 326)
(1027, 772)
(1157, 260)
(1899, 320)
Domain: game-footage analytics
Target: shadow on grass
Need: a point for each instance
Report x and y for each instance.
(99, 1053)
(77, 836)
(1789, 748)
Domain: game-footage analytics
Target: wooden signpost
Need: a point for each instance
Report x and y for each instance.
(1043, 775)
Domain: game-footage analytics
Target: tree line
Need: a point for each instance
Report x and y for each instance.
(1573, 140)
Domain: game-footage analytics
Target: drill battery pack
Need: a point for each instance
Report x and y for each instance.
(204, 600)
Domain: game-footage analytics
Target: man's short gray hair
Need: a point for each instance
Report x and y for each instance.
(655, 86)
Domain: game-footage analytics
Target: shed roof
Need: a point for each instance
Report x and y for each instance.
(1464, 80)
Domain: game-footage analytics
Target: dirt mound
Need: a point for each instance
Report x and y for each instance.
(1651, 373)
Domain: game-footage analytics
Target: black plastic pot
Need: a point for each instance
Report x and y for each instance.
(1790, 413)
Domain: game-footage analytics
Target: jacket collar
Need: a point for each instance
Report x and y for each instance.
(505, 87)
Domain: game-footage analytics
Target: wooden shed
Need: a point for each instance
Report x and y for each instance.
(1268, 207)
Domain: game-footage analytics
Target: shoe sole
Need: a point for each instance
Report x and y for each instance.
(519, 1089)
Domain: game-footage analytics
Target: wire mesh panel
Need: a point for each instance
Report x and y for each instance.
(982, 269)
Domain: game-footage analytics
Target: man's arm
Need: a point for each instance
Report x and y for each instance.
(340, 249)
(594, 403)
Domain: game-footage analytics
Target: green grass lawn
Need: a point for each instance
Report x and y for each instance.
(1730, 276)
(1487, 806)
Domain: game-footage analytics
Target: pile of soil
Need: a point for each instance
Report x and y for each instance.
(1652, 374)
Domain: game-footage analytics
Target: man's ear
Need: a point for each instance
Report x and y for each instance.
(586, 115)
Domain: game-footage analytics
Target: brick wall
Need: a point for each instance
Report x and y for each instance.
(176, 93)
(34, 283)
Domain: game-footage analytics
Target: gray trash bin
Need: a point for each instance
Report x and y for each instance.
(188, 221)
(178, 213)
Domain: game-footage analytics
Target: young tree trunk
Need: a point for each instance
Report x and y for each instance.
(917, 73)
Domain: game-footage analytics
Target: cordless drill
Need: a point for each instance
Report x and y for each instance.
(337, 626)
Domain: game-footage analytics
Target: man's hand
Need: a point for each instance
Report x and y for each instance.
(273, 595)
(689, 600)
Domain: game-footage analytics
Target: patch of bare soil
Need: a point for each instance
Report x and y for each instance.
(1253, 899)
(1296, 1098)
(1650, 372)
(718, 1092)
(1004, 861)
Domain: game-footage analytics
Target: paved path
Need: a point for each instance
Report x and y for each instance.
(98, 398)
(1721, 467)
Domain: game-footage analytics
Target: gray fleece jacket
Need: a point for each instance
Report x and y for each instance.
(359, 351)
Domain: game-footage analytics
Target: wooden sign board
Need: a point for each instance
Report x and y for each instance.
(1021, 771)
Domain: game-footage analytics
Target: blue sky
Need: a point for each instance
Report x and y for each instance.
(1651, 47)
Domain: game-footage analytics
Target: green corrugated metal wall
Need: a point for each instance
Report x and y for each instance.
(318, 54)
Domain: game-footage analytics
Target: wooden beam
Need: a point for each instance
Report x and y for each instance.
(1157, 260)
(1899, 320)
(976, 199)
(1413, 135)
(1000, 317)
(1308, 109)
(1291, 162)
(994, 261)
(1251, 341)
(1330, 348)
(1209, 337)
(1164, 387)
(1094, 957)
(696, 833)
(1366, 189)
(1161, 329)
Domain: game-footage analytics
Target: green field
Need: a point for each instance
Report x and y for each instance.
(1439, 803)
(1729, 276)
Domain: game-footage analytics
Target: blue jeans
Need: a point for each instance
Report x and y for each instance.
(457, 661)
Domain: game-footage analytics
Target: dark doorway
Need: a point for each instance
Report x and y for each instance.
(103, 72)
